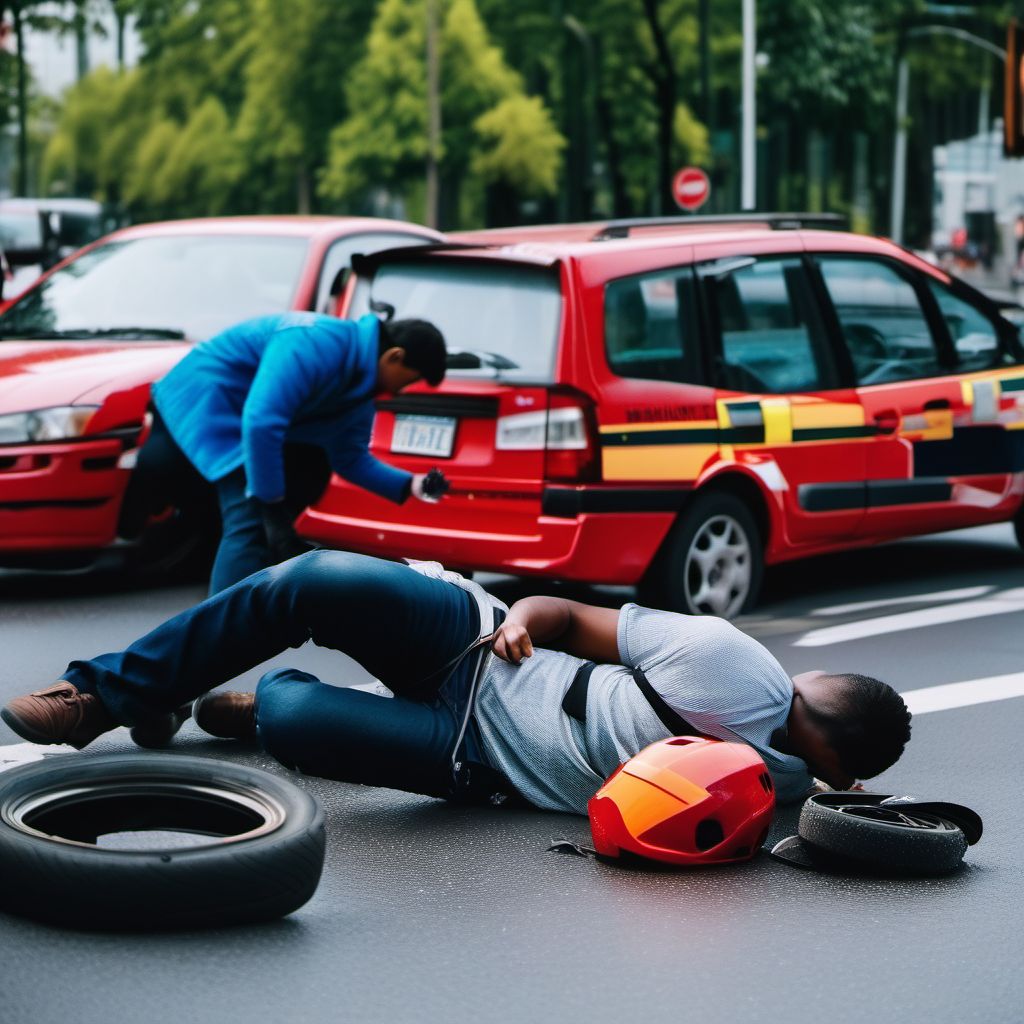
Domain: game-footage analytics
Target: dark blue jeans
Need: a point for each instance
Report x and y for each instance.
(165, 478)
(399, 625)
(243, 546)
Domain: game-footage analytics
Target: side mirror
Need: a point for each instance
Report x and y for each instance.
(976, 344)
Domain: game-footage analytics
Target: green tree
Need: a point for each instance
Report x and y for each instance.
(95, 135)
(302, 52)
(520, 147)
(383, 142)
(597, 64)
(203, 164)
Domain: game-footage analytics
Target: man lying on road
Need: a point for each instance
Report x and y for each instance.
(512, 740)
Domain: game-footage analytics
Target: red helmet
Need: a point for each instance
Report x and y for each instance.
(686, 801)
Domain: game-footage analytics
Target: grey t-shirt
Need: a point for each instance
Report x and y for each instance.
(723, 682)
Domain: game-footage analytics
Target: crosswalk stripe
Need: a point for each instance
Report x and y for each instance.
(961, 695)
(884, 602)
(1001, 604)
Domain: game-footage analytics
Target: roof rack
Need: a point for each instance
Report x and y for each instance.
(776, 221)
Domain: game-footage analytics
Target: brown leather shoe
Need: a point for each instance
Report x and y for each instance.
(229, 716)
(59, 714)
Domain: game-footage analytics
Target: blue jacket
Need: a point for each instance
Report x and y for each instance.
(235, 400)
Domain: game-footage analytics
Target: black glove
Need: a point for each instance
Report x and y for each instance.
(430, 486)
(278, 525)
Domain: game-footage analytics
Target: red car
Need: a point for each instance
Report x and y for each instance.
(79, 350)
(679, 409)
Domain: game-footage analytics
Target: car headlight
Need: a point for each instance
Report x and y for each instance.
(58, 424)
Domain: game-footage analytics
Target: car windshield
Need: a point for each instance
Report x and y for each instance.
(498, 320)
(189, 286)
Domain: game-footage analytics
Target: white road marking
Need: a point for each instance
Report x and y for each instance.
(16, 754)
(1002, 604)
(961, 695)
(940, 595)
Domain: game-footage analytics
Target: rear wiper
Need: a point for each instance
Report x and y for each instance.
(476, 359)
(160, 333)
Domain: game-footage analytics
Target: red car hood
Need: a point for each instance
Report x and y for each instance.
(40, 374)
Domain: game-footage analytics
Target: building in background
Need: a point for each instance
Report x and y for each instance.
(978, 196)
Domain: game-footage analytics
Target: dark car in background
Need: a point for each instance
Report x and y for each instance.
(36, 234)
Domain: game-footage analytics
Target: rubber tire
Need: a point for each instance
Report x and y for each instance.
(661, 587)
(251, 879)
(1018, 526)
(878, 844)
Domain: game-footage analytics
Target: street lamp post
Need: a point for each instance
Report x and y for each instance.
(748, 185)
(899, 152)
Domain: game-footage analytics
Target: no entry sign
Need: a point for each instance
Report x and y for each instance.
(691, 188)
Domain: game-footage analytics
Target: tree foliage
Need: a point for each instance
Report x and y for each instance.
(490, 127)
(549, 108)
(831, 60)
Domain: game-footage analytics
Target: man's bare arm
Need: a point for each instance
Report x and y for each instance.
(582, 630)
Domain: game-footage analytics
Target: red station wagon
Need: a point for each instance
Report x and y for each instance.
(680, 409)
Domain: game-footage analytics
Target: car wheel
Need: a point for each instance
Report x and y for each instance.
(857, 827)
(130, 841)
(713, 560)
(1018, 526)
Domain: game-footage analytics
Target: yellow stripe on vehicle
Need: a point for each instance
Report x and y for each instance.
(657, 462)
(808, 415)
(778, 421)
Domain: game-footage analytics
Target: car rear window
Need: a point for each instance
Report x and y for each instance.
(498, 320)
(197, 285)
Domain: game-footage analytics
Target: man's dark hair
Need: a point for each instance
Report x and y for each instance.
(423, 344)
(871, 728)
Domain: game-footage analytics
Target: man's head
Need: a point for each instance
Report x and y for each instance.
(410, 350)
(846, 727)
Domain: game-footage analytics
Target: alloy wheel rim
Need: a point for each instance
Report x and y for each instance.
(718, 568)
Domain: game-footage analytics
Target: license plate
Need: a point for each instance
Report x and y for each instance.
(424, 435)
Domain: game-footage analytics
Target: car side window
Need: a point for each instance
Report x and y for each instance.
(882, 323)
(772, 338)
(648, 327)
(975, 337)
(339, 256)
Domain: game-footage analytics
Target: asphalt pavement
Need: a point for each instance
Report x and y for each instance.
(428, 912)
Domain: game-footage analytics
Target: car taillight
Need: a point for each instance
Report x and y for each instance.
(565, 432)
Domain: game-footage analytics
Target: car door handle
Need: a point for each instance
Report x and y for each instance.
(937, 403)
(887, 421)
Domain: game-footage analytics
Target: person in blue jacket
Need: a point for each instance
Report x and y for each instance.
(234, 404)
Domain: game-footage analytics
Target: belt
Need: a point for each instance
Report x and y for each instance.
(574, 703)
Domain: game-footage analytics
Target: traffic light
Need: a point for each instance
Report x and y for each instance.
(1013, 94)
